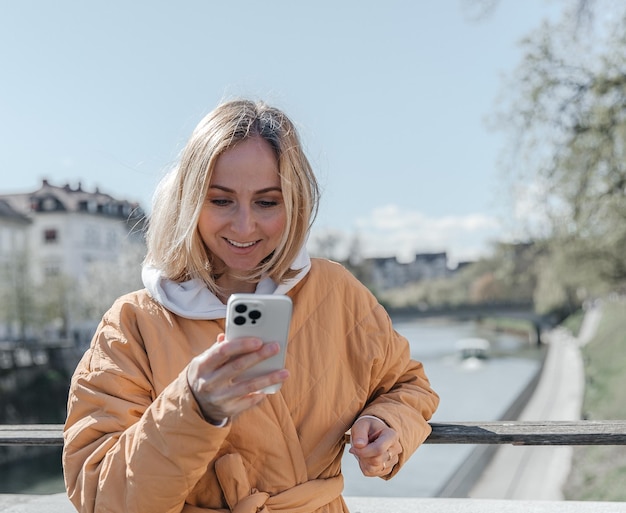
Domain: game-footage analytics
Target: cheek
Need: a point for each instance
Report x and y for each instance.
(279, 224)
(206, 227)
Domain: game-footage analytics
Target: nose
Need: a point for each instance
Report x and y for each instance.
(243, 222)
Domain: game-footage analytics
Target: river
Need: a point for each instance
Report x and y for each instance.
(467, 394)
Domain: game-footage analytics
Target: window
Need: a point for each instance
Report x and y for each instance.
(51, 270)
(92, 236)
(50, 236)
(111, 239)
(49, 204)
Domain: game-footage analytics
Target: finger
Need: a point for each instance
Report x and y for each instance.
(237, 397)
(224, 352)
(226, 384)
(384, 467)
(373, 467)
(365, 430)
(377, 459)
(376, 448)
(228, 400)
(212, 376)
(248, 360)
(258, 384)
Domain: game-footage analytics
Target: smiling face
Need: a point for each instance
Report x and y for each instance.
(243, 217)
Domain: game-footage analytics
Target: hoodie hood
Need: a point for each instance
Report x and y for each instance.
(193, 300)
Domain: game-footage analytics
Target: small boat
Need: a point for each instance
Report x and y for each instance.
(473, 348)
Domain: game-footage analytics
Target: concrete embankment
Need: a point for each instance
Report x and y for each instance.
(470, 471)
(538, 473)
(556, 393)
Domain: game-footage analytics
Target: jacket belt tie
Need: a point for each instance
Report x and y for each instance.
(242, 498)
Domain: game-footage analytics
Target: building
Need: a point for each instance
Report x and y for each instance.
(14, 229)
(60, 232)
(69, 228)
(387, 273)
(427, 266)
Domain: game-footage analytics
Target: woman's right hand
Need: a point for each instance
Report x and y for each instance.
(213, 377)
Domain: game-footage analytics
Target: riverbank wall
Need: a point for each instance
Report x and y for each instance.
(555, 393)
(540, 472)
(466, 476)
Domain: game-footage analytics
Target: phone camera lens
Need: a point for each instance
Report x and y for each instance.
(255, 315)
(239, 320)
(240, 308)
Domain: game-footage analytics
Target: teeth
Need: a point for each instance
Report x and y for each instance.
(240, 244)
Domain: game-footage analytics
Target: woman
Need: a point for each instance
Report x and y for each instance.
(158, 420)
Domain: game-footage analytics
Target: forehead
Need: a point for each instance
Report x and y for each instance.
(250, 159)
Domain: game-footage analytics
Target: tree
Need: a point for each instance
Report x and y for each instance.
(567, 118)
(106, 281)
(17, 297)
(327, 244)
(56, 304)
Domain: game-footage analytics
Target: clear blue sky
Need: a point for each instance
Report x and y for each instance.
(391, 99)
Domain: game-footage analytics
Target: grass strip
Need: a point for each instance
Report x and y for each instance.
(599, 472)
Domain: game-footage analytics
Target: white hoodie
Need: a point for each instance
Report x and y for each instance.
(193, 300)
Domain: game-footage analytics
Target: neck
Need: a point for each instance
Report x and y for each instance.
(228, 286)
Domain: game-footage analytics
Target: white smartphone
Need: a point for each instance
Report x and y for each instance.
(263, 316)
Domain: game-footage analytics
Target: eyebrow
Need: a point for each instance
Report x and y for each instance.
(232, 191)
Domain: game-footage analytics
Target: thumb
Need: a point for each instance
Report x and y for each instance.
(359, 434)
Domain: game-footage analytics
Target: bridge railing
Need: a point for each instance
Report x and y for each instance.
(581, 432)
(486, 435)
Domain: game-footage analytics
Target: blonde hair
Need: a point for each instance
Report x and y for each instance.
(174, 243)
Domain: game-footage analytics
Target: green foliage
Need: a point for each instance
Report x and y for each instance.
(16, 294)
(61, 302)
(598, 472)
(605, 357)
(568, 273)
(574, 322)
(521, 326)
(508, 276)
(565, 110)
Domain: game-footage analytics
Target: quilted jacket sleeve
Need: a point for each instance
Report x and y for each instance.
(126, 447)
(401, 394)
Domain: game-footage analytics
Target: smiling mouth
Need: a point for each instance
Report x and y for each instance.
(241, 244)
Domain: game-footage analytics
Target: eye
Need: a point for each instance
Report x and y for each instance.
(267, 203)
(220, 202)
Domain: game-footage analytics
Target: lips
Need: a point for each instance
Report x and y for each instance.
(241, 245)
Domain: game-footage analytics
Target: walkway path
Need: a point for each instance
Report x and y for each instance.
(539, 472)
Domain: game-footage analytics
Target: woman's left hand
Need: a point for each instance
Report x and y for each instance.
(375, 445)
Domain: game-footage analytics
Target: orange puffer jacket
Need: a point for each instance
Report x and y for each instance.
(135, 440)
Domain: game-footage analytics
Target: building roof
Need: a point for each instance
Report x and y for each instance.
(7, 212)
(51, 198)
(431, 257)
